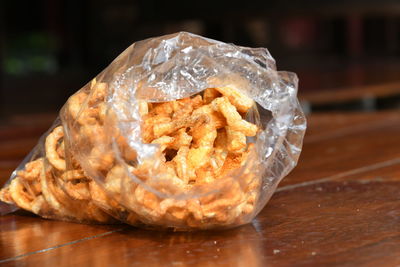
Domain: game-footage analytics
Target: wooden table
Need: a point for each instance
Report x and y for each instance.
(367, 95)
(363, 86)
(339, 207)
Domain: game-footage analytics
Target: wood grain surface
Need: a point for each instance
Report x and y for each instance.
(339, 207)
(341, 95)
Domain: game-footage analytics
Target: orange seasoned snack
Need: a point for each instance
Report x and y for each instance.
(200, 139)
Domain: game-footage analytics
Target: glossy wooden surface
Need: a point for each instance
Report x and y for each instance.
(339, 207)
(351, 82)
(344, 94)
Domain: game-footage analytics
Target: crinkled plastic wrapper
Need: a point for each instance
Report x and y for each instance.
(180, 131)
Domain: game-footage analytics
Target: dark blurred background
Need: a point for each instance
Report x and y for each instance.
(346, 52)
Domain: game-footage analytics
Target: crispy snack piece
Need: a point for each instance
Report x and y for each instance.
(72, 175)
(236, 140)
(24, 190)
(181, 166)
(242, 102)
(184, 107)
(75, 106)
(32, 170)
(163, 141)
(5, 195)
(19, 193)
(215, 117)
(210, 94)
(45, 188)
(181, 139)
(233, 118)
(51, 145)
(174, 125)
(98, 91)
(203, 141)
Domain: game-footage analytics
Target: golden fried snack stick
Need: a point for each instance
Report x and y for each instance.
(147, 127)
(20, 195)
(181, 166)
(242, 102)
(72, 175)
(203, 139)
(233, 118)
(216, 118)
(236, 140)
(181, 139)
(98, 91)
(184, 107)
(75, 105)
(5, 195)
(170, 127)
(163, 141)
(143, 108)
(220, 151)
(51, 145)
(210, 94)
(77, 190)
(32, 170)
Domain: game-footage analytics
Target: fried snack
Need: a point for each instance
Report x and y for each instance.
(51, 144)
(46, 188)
(242, 102)
(168, 135)
(201, 142)
(233, 118)
(200, 145)
(236, 140)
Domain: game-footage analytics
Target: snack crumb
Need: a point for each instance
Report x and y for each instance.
(276, 251)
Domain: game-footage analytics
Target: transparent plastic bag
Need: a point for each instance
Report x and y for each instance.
(179, 131)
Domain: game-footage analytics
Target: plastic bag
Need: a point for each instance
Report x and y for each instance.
(178, 131)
